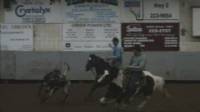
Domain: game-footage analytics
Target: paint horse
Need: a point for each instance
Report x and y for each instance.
(53, 81)
(149, 84)
(104, 72)
(115, 78)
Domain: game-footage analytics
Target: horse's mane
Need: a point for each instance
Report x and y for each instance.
(100, 60)
(112, 69)
(101, 64)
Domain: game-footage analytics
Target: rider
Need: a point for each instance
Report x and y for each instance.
(135, 68)
(117, 51)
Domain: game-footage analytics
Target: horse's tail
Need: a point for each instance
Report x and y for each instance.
(159, 84)
(166, 93)
(162, 88)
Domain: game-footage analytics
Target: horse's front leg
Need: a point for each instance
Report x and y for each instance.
(92, 90)
(41, 87)
(66, 91)
(102, 100)
(52, 91)
(143, 103)
(47, 93)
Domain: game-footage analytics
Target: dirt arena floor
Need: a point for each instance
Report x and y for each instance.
(23, 98)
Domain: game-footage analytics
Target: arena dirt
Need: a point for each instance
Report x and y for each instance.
(23, 98)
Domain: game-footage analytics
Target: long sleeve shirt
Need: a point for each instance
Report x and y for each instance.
(117, 53)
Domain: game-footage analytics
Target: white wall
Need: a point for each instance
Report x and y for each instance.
(187, 42)
(44, 33)
(47, 37)
(195, 21)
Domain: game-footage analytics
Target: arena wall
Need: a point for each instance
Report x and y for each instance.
(48, 53)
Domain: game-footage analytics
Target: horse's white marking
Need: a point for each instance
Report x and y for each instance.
(65, 71)
(140, 106)
(119, 79)
(159, 81)
(51, 92)
(89, 59)
(102, 100)
(158, 85)
(103, 76)
(67, 87)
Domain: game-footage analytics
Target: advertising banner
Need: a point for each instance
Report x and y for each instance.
(16, 37)
(92, 11)
(89, 36)
(34, 11)
(151, 36)
(161, 9)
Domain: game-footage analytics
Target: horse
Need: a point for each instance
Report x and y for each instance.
(52, 81)
(149, 85)
(105, 73)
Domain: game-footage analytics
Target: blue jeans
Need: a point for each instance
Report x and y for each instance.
(132, 84)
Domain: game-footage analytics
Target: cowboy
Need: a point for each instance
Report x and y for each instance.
(135, 71)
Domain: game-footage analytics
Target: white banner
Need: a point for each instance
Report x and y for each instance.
(93, 11)
(16, 37)
(34, 11)
(89, 37)
(161, 9)
(195, 22)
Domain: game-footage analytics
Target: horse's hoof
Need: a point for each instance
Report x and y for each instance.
(87, 99)
(62, 102)
(90, 100)
(103, 104)
(139, 109)
(123, 107)
(42, 101)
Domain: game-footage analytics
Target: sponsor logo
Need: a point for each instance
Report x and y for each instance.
(67, 45)
(133, 28)
(22, 11)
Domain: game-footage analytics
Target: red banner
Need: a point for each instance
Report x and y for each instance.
(151, 36)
